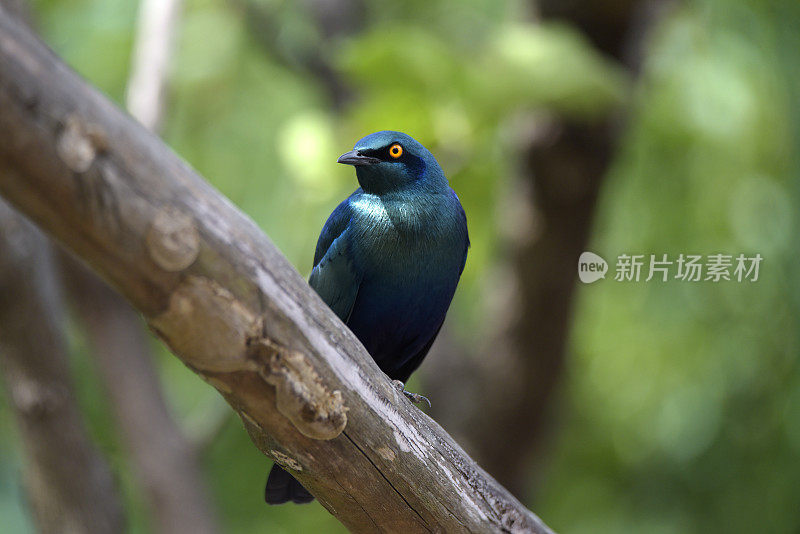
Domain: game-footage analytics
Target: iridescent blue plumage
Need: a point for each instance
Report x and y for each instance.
(389, 258)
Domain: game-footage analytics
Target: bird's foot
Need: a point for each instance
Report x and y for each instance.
(416, 398)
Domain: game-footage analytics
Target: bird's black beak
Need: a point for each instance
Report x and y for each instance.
(355, 158)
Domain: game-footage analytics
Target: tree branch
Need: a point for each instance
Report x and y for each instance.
(225, 300)
(69, 484)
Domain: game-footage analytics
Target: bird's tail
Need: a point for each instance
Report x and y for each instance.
(283, 487)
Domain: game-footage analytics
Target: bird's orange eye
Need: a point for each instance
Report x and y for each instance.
(396, 150)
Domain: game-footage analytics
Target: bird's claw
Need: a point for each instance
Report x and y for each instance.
(416, 398)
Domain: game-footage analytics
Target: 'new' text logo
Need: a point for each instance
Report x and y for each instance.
(591, 267)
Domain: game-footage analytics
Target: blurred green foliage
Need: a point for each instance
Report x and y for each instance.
(681, 408)
(684, 399)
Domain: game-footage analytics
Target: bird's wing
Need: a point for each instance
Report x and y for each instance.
(334, 276)
(334, 227)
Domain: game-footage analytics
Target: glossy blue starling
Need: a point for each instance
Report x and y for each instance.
(388, 261)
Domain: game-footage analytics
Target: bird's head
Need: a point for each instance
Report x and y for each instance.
(390, 161)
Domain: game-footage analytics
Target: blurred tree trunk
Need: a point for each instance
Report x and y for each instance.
(68, 482)
(164, 461)
(518, 371)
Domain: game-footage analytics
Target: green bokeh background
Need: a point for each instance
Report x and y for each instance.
(680, 410)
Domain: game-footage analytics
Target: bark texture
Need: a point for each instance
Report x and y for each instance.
(225, 300)
(67, 481)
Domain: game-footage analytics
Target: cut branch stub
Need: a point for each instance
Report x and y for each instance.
(302, 395)
(172, 239)
(79, 143)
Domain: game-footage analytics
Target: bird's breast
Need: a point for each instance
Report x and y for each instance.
(406, 238)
